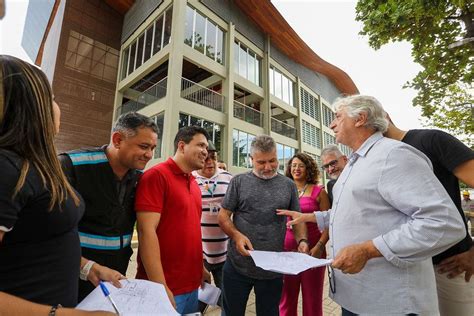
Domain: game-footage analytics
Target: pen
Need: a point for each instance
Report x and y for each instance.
(107, 294)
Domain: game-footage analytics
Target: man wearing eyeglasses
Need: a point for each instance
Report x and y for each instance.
(213, 183)
(333, 163)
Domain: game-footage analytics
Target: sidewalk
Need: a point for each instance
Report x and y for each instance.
(330, 308)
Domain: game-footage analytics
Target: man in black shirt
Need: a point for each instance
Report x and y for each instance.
(106, 178)
(452, 161)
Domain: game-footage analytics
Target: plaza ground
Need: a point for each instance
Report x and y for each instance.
(330, 308)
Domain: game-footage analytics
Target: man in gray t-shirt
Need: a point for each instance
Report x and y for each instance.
(252, 200)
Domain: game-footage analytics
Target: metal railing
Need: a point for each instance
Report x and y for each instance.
(283, 128)
(147, 97)
(248, 114)
(194, 92)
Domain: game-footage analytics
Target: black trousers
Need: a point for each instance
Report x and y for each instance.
(114, 259)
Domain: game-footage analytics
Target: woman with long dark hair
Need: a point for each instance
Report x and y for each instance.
(39, 210)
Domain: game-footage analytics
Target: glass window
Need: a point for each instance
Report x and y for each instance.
(236, 57)
(247, 63)
(211, 40)
(235, 147)
(183, 120)
(204, 35)
(271, 77)
(217, 137)
(257, 71)
(159, 120)
(289, 152)
(285, 90)
(281, 157)
(195, 121)
(141, 43)
(290, 92)
(188, 27)
(131, 63)
(199, 32)
(167, 27)
(278, 79)
(220, 46)
(158, 35)
(249, 144)
(125, 62)
(242, 149)
(209, 127)
(243, 61)
(149, 41)
(251, 67)
(281, 87)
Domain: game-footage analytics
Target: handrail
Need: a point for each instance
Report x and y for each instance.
(145, 98)
(197, 93)
(248, 114)
(283, 128)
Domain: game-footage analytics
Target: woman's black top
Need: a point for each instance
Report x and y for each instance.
(40, 252)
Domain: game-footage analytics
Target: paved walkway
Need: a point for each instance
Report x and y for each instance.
(330, 308)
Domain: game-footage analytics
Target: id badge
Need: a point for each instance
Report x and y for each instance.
(214, 208)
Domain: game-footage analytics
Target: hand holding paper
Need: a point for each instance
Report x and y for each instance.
(286, 262)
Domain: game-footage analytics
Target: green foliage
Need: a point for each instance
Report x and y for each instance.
(445, 85)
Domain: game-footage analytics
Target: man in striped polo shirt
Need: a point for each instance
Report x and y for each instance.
(213, 183)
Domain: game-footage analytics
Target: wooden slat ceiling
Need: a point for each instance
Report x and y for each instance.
(267, 17)
(121, 6)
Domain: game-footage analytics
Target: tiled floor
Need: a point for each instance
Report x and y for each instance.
(330, 308)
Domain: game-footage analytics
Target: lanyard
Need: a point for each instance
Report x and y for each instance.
(208, 189)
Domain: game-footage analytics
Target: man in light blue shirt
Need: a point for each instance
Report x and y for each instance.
(390, 215)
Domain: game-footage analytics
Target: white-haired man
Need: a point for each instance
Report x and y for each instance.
(390, 215)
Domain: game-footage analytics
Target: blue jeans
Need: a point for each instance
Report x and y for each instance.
(236, 290)
(187, 303)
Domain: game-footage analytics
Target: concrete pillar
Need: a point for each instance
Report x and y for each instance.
(228, 91)
(175, 69)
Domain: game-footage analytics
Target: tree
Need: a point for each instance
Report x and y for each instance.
(442, 35)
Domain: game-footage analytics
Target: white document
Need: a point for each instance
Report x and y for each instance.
(209, 294)
(134, 298)
(286, 262)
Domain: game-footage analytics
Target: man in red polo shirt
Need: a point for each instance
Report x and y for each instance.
(168, 206)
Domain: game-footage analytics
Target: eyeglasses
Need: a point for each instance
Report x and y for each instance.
(332, 280)
(332, 163)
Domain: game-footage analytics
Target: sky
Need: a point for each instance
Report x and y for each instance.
(11, 28)
(330, 29)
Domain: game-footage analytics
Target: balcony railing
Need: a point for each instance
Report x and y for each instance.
(194, 92)
(147, 97)
(248, 114)
(283, 128)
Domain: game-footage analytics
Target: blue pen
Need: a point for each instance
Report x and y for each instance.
(106, 292)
